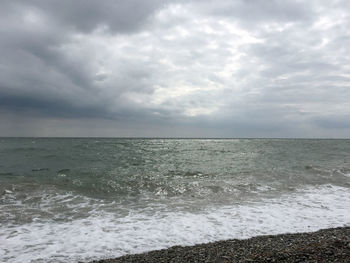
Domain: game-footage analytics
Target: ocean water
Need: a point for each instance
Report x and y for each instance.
(69, 200)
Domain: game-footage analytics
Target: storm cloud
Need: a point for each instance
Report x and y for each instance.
(238, 68)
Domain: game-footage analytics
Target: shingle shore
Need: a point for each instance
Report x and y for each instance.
(328, 245)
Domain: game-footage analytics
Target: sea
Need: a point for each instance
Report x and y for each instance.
(83, 199)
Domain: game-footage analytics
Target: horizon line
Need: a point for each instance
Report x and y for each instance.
(189, 138)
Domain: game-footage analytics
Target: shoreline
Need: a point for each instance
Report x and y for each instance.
(326, 245)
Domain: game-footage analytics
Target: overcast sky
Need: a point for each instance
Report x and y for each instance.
(228, 68)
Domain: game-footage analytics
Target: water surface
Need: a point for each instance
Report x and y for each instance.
(64, 200)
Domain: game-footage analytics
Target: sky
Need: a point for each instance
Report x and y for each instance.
(162, 68)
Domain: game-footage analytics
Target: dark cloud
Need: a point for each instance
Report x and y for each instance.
(88, 15)
(51, 107)
(186, 68)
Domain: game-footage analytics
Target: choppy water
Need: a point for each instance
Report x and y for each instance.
(65, 200)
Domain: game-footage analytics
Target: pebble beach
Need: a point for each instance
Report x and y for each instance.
(328, 245)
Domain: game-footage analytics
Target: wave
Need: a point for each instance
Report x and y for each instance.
(105, 234)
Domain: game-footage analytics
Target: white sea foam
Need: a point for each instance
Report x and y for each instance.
(346, 174)
(104, 235)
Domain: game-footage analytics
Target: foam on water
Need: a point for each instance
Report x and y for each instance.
(104, 235)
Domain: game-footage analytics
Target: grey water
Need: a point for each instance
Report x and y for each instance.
(68, 199)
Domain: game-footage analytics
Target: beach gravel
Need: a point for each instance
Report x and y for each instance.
(328, 245)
